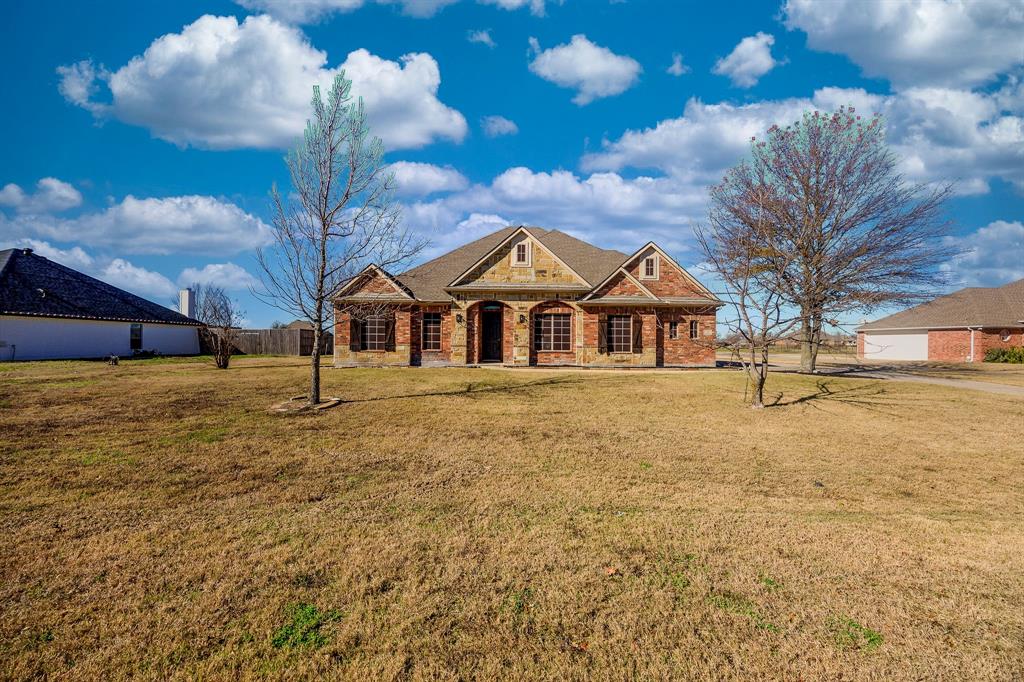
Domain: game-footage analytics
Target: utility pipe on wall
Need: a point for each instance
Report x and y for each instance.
(971, 357)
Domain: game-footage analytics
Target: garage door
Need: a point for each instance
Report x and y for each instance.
(902, 346)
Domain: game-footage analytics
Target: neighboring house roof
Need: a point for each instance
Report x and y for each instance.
(432, 280)
(36, 286)
(971, 307)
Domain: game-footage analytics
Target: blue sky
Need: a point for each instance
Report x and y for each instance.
(141, 145)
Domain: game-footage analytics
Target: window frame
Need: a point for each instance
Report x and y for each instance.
(364, 334)
(613, 347)
(423, 332)
(545, 322)
(133, 342)
(528, 254)
(655, 267)
(694, 330)
(673, 329)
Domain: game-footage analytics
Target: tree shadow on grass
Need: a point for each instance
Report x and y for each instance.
(473, 389)
(865, 396)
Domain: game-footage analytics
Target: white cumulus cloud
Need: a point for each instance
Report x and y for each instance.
(593, 71)
(420, 179)
(992, 255)
(917, 42)
(939, 134)
(115, 271)
(495, 126)
(227, 275)
(186, 224)
(677, 68)
(221, 84)
(309, 11)
(749, 60)
(51, 195)
(141, 281)
(483, 37)
(604, 208)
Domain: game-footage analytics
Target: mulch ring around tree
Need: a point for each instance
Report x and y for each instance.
(298, 404)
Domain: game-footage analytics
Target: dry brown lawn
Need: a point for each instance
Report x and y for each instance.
(158, 521)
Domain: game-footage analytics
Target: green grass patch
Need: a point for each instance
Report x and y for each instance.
(518, 601)
(849, 634)
(740, 605)
(303, 628)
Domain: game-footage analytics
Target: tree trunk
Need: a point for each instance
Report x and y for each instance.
(314, 369)
(815, 342)
(807, 352)
(758, 376)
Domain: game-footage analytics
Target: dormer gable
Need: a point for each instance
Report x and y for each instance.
(521, 258)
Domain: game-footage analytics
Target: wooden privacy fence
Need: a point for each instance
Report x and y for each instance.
(281, 342)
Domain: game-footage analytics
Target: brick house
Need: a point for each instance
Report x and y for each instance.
(529, 296)
(959, 327)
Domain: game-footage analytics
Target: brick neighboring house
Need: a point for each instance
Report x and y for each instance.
(529, 296)
(959, 327)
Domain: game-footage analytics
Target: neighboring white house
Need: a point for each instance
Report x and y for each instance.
(49, 311)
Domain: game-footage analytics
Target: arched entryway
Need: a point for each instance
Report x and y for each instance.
(491, 331)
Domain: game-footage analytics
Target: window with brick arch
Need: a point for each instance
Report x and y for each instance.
(620, 333)
(552, 332)
(432, 331)
(694, 329)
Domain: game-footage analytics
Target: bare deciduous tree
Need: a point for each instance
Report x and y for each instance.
(338, 218)
(732, 245)
(216, 310)
(852, 234)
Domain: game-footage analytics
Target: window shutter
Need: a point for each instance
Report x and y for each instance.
(389, 342)
(602, 333)
(638, 335)
(354, 335)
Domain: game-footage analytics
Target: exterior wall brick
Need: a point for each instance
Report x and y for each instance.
(620, 285)
(684, 351)
(418, 356)
(860, 345)
(568, 357)
(344, 356)
(954, 345)
(671, 280)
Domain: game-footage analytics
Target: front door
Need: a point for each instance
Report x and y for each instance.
(490, 341)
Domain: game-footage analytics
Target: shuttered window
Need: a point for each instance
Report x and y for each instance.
(620, 335)
(552, 332)
(432, 331)
(374, 333)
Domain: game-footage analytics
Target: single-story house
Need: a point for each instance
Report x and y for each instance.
(958, 327)
(49, 311)
(529, 296)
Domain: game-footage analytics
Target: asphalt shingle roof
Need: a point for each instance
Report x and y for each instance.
(428, 281)
(33, 285)
(974, 306)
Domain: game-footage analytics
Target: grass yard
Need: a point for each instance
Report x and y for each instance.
(157, 521)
